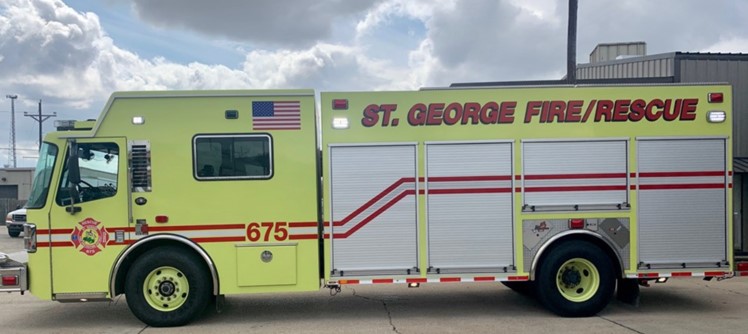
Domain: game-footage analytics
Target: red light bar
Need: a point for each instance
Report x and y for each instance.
(716, 97)
(10, 280)
(576, 224)
(340, 104)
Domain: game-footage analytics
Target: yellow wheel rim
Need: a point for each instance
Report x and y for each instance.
(577, 280)
(166, 288)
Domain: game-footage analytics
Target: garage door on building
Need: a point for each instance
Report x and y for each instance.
(682, 202)
(469, 207)
(374, 209)
(9, 191)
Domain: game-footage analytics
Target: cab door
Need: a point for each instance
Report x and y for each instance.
(89, 219)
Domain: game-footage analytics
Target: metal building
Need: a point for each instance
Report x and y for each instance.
(15, 187)
(614, 61)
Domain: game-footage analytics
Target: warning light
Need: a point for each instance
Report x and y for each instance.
(576, 224)
(340, 123)
(340, 104)
(10, 280)
(716, 116)
(715, 97)
(162, 219)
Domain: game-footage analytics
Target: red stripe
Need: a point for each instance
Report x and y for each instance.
(450, 279)
(416, 280)
(649, 275)
(195, 227)
(729, 185)
(374, 215)
(574, 188)
(469, 191)
(518, 189)
(632, 175)
(484, 278)
(125, 242)
(302, 237)
(681, 186)
(302, 224)
(575, 176)
(55, 231)
(348, 281)
(470, 178)
(682, 174)
(218, 239)
(715, 273)
(372, 201)
(682, 274)
(632, 187)
(43, 244)
(382, 281)
(519, 278)
(729, 173)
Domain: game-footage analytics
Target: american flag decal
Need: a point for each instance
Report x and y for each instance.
(276, 115)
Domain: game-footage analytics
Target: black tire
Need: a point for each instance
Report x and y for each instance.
(525, 288)
(14, 234)
(188, 266)
(574, 278)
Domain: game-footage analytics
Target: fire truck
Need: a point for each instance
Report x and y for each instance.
(178, 198)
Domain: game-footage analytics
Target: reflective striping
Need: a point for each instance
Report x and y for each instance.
(678, 274)
(574, 176)
(304, 230)
(432, 280)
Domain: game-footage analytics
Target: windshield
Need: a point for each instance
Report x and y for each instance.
(42, 176)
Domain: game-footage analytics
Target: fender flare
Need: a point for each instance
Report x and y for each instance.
(572, 233)
(157, 237)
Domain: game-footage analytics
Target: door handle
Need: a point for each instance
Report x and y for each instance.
(73, 209)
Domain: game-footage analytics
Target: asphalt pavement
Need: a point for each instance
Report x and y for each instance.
(687, 305)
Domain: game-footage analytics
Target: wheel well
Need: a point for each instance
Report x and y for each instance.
(571, 237)
(119, 271)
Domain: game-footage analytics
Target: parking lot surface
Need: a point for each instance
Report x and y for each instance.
(682, 305)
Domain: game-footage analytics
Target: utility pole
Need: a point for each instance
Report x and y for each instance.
(12, 129)
(40, 118)
(571, 44)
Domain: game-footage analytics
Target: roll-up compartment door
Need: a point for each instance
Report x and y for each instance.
(682, 202)
(374, 209)
(575, 175)
(469, 207)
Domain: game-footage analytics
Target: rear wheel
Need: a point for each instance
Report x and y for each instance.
(167, 286)
(576, 279)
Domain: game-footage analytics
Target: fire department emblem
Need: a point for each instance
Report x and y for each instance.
(90, 237)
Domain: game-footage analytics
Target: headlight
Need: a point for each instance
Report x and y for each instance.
(8, 218)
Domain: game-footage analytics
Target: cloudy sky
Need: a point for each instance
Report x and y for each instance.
(72, 54)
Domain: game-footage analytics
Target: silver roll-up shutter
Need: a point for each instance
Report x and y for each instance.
(374, 209)
(574, 175)
(469, 206)
(682, 202)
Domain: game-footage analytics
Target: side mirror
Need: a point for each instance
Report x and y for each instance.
(74, 174)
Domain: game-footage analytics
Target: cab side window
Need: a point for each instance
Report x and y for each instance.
(98, 166)
(231, 157)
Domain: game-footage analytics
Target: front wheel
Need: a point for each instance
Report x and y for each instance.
(576, 279)
(167, 286)
(14, 234)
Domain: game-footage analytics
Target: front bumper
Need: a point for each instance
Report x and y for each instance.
(15, 227)
(13, 271)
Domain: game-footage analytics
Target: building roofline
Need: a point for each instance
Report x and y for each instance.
(621, 81)
(676, 55)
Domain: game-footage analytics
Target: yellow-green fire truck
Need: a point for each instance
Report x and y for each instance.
(176, 198)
